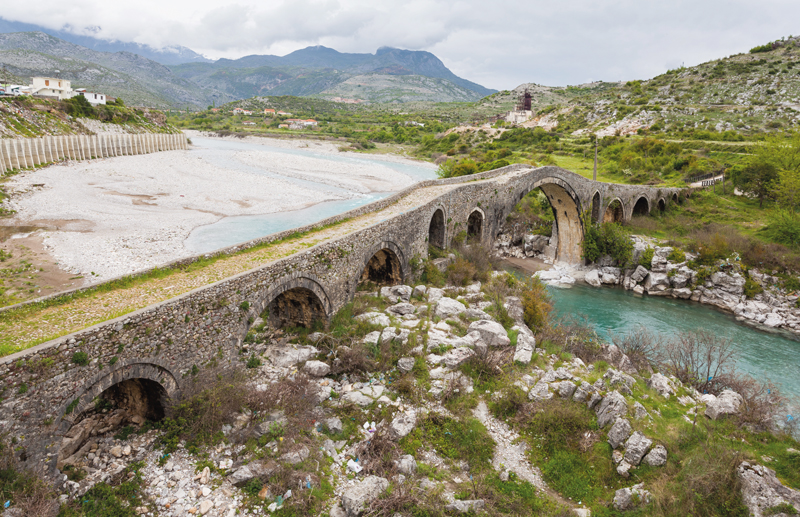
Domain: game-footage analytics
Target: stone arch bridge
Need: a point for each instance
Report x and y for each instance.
(155, 349)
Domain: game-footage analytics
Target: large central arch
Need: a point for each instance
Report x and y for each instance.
(296, 301)
(568, 226)
(383, 265)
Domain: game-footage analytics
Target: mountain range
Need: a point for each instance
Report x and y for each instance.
(179, 77)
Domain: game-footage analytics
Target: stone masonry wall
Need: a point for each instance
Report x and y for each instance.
(43, 388)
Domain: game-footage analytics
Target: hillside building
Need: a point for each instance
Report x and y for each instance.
(93, 98)
(51, 87)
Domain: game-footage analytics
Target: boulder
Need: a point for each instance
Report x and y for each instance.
(612, 406)
(619, 432)
(639, 411)
(435, 294)
(477, 314)
(657, 456)
(624, 468)
(761, 489)
(274, 420)
(397, 293)
(316, 368)
(727, 403)
(630, 498)
(295, 457)
(466, 506)
(285, 356)
(565, 389)
(419, 291)
(656, 282)
(456, 356)
(407, 465)
(526, 344)
(241, 476)
(684, 293)
(492, 333)
(402, 424)
(401, 309)
(372, 338)
(405, 364)
(206, 506)
(447, 307)
(639, 274)
(622, 381)
(356, 499)
(592, 278)
(375, 318)
(541, 391)
(334, 425)
(357, 398)
(661, 384)
(610, 275)
(636, 447)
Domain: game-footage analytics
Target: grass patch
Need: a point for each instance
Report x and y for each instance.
(454, 439)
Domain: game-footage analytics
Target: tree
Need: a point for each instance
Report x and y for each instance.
(757, 179)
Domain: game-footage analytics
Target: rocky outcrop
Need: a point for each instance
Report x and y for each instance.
(356, 499)
(630, 498)
(727, 403)
(762, 491)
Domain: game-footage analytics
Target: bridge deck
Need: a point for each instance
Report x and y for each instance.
(30, 325)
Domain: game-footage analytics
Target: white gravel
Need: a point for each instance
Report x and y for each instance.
(118, 215)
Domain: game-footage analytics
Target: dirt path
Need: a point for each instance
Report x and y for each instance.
(511, 453)
(31, 325)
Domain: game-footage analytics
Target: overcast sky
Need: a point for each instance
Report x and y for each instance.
(498, 44)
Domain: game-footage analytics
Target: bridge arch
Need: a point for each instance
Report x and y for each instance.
(475, 224)
(614, 212)
(568, 225)
(675, 197)
(596, 206)
(641, 206)
(384, 264)
(437, 229)
(662, 204)
(296, 300)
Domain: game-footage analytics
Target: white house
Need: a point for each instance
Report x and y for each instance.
(93, 98)
(51, 87)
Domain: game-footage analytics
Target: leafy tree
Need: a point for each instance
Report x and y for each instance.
(79, 106)
(756, 179)
(783, 152)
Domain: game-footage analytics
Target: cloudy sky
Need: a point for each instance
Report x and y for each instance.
(499, 44)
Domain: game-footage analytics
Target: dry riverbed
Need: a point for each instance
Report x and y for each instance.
(105, 218)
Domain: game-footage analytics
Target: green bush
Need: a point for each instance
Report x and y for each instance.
(752, 288)
(607, 239)
(536, 304)
(677, 255)
(646, 258)
(783, 508)
(783, 228)
(253, 362)
(80, 358)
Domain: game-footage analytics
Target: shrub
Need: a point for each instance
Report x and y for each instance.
(80, 358)
(253, 362)
(752, 288)
(783, 508)
(607, 239)
(536, 304)
(700, 359)
(783, 227)
(677, 255)
(646, 258)
(640, 345)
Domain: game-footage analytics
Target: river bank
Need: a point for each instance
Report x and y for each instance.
(110, 217)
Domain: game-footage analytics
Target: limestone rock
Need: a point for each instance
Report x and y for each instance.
(316, 368)
(402, 425)
(456, 356)
(334, 425)
(630, 498)
(492, 333)
(206, 507)
(526, 344)
(477, 314)
(661, 384)
(447, 307)
(357, 398)
(636, 447)
(622, 381)
(592, 278)
(541, 391)
(285, 356)
(657, 456)
(565, 389)
(356, 499)
(466, 506)
(241, 476)
(727, 403)
(624, 468)
(612, 406)
(375, 318)
(639, 411)
(405, 364)
(407, 465)
(295, 457)
(397, 293)
(435, 294)
(619, 432)
(401, 309)
(639, 274)
(762, 490)
(372, 338)
(656, 282)
(419, 291)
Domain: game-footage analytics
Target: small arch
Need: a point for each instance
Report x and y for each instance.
(436, 230)
(641, 207)
(596, 207)
(615, 212)
(297, 307)
(306, 282)
(662, 205)
(675, 198)
(475, 225)
(383, 269)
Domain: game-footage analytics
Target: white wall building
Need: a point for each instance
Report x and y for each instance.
(52, 87)
(93, 98)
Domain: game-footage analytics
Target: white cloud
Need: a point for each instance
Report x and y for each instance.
(498, 44)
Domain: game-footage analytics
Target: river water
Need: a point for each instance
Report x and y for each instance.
(233, 230)
(614, 311)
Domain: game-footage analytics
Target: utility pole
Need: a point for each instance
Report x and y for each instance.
(594, 175)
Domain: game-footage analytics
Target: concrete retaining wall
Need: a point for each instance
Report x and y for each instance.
(23, 153)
